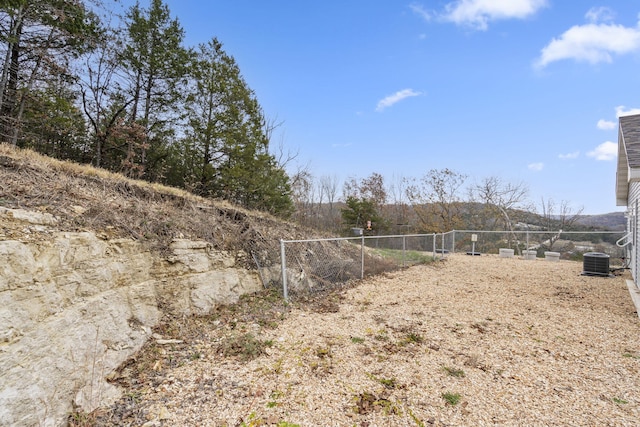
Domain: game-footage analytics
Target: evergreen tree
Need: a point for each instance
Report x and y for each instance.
(38, 40)
(155, 62)
(361, 211)
(56, 125)
(228, 139)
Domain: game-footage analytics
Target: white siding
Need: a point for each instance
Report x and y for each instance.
(632, 227)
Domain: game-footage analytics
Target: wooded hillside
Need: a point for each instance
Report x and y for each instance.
(126, 94)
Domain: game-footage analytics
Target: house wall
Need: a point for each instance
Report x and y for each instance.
(633, 203)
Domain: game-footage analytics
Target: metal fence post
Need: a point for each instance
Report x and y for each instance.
(435, 256)
(283, 263)
(453, 242)
(404, 249)
(362, 258)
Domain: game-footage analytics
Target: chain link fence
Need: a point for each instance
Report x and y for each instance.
(308, 265)
(568, 244)
(319, 264)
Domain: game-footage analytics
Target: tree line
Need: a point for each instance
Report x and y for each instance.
(441, 200)
(132, 98)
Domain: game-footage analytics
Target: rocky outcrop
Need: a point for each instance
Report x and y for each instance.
(74, 306)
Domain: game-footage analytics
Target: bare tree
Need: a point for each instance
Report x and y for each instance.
(329, 188)
(503, 198)
(350, 188)
(373, 188)
(303, 194)
(399, 206)
(284, 156)
(436, 199)
(559, 220)
(102, 101)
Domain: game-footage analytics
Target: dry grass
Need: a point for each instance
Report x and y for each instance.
(84, 198)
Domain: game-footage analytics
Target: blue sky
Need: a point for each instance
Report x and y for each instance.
(526, 90)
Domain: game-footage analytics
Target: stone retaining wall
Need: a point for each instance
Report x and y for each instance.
(74, 306)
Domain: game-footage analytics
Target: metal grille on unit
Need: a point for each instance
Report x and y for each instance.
(596, 264)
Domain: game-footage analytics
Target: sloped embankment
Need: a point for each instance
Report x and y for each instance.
(91, 262)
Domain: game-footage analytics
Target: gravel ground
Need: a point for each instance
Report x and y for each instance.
(468, 341)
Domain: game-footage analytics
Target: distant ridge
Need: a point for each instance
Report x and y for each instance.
(614, 221)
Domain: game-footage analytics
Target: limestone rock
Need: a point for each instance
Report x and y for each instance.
(39, 218)
(76, 306)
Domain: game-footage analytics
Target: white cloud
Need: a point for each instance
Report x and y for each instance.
(592, 43)
(605, 151)
(599, 14)
(420, 11)
(606, 124)
(536, 167)
(573, 155)
(396, 97)
(478, 13)
(622, 111)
